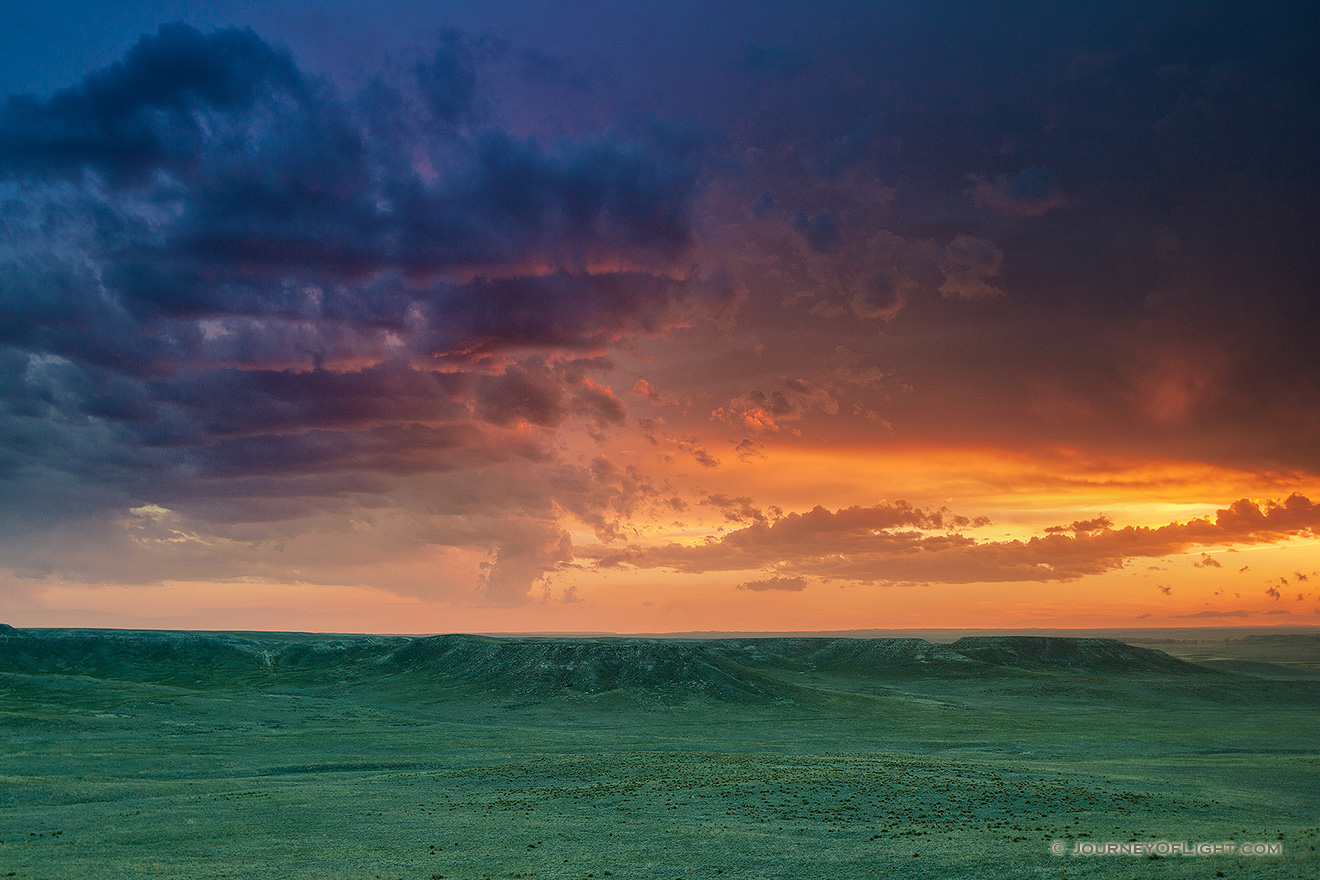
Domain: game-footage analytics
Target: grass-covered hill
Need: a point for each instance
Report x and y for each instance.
(739, 670)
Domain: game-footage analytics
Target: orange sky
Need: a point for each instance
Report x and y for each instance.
(1226, 581)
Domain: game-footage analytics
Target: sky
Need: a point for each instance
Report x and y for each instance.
(598, 317)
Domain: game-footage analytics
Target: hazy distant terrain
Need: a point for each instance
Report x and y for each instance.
(139, 754)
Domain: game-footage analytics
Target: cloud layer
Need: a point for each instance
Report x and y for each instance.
(226, 281)
(898, 543)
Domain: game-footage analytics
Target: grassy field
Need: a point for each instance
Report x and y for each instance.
(262, 755)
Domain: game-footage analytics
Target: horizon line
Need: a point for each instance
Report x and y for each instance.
(872, 632)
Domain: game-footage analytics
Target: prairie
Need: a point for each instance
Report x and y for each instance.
(156, 754)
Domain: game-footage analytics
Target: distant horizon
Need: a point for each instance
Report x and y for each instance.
(1222, 631)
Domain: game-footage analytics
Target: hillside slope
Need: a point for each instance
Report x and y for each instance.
(737, 670)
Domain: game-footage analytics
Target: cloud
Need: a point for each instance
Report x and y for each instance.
(604, 495)
(739, 509)
(143, 112)
(447, 80)
(882, 295)
(323, 183)
(872, 278)
(780, 584)
(1238, 613)
(652, 429)
(1207, 561)
(226, 275)
(562, 310)
(647, 391)
(764, 205)
(896, 542)
(699, 454)
(395, 450)
(321, 219)
(704, 458)
(522, 559)
(1083, 527)
(489, 529)
(767, 412)
(821, 231)
(749, 450)
(1029, 193)
(967, 263)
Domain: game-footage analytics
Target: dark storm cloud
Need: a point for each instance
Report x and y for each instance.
(226, 401)
(205, 177)
(395, 450)
(1125, 191)
(220, 276)
(261, 166)
(139, 114)
(447, 80)
(562, 310)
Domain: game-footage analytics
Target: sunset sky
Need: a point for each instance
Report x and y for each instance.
(598, 316)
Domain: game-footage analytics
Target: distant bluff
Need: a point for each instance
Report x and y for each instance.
(127, 655)
(734, 669)
(1093, 655)
(534, 666)
(842, 654)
